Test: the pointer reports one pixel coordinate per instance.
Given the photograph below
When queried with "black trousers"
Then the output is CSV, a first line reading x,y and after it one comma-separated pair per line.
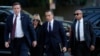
x,y
81,49
53,50
36,51
19,47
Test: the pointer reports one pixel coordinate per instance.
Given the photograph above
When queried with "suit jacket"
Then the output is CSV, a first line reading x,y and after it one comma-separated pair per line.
x,y
27,28
56,36
38,30
88,34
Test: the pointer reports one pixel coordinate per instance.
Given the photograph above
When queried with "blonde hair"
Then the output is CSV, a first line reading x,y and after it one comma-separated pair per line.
x,y
37,17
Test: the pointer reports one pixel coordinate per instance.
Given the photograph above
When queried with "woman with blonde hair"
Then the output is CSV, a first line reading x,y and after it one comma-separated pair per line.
x,y
36,18
38,50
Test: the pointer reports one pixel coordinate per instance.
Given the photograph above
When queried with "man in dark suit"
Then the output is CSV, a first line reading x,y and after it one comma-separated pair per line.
x,y
54,36
82,36
20,29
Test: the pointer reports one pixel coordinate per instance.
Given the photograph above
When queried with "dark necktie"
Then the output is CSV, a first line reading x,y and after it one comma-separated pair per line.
x,y
78,31
14,28
49,27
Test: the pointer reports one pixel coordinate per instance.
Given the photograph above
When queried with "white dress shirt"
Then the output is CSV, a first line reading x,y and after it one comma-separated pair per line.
x,y
18,32
51,22
81,28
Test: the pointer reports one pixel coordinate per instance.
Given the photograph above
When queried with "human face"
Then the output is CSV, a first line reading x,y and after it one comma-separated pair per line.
x,y
78,15
16,9
35,22
49,16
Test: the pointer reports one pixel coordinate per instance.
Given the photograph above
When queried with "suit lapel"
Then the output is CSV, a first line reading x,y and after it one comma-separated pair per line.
x,y
53,26
22,19
21,15
84,25
12,20
46,26
74,25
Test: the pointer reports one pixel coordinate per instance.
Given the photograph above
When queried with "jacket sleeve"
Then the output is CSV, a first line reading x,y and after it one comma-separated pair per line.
x,y
6,30
63,35
43,34
92,34
71,37
31,29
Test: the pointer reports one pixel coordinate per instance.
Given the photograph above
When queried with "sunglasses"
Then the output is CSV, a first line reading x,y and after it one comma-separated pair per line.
x,y
76,14
35,20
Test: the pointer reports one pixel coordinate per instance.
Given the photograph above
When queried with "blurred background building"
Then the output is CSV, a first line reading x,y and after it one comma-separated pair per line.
x,y
63,8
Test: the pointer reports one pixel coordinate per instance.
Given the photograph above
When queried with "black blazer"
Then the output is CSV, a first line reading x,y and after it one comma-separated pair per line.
x,y
27,28
56,36
38,30
88,34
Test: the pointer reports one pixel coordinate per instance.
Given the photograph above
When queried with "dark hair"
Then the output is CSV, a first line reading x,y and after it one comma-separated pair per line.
x,y
16,3
49,11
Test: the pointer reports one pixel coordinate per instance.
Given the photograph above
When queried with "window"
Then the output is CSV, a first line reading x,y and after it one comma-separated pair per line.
x,y
3,16
98,23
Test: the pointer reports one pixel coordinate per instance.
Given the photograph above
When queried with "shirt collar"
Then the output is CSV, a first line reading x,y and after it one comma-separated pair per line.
x,y
17,15
52,21
81,20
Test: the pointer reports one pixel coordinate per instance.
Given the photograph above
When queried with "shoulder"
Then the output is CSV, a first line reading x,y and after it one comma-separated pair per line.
x,y
44,23
87,21
39,27
10,17
74,21
57,22
26,17
23,14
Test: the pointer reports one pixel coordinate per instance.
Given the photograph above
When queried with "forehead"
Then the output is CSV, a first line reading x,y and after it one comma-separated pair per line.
x,y
36,16
16,6
78,11
48,12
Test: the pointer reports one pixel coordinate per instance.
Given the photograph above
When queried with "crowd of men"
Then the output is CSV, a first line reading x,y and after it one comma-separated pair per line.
x,y
50,37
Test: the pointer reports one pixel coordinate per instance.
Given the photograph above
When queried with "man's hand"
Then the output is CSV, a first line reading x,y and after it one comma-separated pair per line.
x,y
34,43
7,44
92,48
64,49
